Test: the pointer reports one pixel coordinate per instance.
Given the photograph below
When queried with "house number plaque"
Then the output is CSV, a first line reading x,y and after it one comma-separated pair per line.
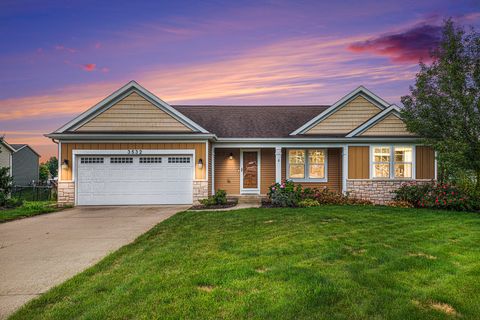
x,y
135,151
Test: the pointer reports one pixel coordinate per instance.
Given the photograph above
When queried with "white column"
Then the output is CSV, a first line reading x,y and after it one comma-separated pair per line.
x,y
213,171
344,168
278,164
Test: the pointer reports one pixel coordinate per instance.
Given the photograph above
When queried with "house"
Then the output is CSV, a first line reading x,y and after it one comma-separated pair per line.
x,y
25,165
134,148
6,152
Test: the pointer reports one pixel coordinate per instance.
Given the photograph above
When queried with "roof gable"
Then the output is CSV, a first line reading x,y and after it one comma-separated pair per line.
x,y
386,123
7,146
19,147
348,117
129,109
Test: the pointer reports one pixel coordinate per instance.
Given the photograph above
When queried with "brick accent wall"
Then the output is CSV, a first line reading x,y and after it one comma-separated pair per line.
x,y
66,193
200,190
377,191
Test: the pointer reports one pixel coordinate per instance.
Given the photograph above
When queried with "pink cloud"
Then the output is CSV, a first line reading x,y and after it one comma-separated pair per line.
x,y
98,45
105,69
406,46
89,67
63,48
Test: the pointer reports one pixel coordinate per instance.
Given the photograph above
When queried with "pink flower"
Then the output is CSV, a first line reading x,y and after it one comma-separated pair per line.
x,y
273,188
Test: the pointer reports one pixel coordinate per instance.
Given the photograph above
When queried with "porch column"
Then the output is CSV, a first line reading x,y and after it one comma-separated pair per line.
x,y
344,168
278,164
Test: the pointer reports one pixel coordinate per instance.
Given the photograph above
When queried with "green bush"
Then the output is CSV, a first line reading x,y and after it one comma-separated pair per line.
x,y
14,202
307,203
285,194
438,196
220,198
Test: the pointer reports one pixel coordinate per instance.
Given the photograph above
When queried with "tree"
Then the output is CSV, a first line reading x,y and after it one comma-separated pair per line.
x,y
52,165
43,173
443,106
6,181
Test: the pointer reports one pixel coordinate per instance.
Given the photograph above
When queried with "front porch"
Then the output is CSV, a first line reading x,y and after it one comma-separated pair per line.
x,y
251,171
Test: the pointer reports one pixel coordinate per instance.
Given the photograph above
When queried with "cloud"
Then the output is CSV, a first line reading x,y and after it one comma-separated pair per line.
x,y
105,69
59,47
89,67
408,46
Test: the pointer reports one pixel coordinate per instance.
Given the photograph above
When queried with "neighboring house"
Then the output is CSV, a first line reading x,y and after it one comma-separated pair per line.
x,y
133,148
25,165
6,152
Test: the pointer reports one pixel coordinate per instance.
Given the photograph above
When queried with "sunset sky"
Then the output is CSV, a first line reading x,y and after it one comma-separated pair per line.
x,y
59,58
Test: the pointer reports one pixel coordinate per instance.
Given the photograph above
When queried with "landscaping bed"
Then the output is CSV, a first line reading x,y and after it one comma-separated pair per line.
x,y
229,204
327,262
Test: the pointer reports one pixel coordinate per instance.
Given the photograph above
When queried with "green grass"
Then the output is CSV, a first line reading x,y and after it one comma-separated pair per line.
x,y
317,263
28,209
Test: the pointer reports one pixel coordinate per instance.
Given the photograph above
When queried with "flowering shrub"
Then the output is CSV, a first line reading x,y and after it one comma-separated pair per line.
x,y
285,194
437,196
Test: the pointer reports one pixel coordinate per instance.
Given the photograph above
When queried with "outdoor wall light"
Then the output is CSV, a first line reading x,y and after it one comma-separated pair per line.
x,y
230,156
65,164
200,163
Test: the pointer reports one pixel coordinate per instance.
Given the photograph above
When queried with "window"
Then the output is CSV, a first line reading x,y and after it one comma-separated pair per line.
x,y
381,162
150,160
178,159
91,160
392,162
308,164
121,160
403,162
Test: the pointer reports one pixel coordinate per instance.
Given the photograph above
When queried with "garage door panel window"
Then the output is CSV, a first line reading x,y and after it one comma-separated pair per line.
x,y
88,160
150,160
178,160
121,160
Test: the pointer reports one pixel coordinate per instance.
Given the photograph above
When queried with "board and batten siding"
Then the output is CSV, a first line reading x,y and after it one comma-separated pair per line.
x,y
347,118
227,171
358,162
135,114
67,152
425,162
334,171
389,126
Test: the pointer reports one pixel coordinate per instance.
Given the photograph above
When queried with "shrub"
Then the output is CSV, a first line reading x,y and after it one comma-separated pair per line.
x,y
13,202
307,203
285,194
437,196
220,198
325,196
400,204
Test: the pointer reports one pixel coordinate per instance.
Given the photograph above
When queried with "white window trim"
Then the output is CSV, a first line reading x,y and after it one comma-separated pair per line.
x,y
306,178
392,161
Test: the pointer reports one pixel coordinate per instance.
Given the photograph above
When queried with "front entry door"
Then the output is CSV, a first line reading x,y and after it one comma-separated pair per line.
x,y
249,172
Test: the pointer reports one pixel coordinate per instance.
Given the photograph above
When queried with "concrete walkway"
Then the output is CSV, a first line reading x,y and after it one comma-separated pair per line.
x,y
40,252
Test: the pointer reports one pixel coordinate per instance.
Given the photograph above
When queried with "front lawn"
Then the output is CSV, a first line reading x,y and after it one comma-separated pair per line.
x,y
27,209
318,263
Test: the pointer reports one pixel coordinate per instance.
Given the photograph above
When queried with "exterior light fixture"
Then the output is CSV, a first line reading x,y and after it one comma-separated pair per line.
x,y
200,163
230,156
65,164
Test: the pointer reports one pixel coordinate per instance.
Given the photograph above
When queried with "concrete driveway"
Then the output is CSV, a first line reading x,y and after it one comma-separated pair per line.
x,y
40,252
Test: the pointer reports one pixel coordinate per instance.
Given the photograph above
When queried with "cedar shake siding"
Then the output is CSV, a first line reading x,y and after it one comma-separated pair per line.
x,y
358,162
347,118
334,171
133,113
425,159
391,125
200,153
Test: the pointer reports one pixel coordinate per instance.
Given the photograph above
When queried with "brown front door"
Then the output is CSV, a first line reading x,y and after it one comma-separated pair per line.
x,y
250,170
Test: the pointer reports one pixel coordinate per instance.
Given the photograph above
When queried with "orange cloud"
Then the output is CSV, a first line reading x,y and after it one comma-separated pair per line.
x,y
89,67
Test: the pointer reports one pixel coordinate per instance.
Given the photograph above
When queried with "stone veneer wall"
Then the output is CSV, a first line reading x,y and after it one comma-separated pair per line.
x,y
66,193
377,191
200,190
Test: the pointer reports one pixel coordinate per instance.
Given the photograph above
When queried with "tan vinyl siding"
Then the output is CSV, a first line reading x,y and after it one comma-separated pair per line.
x,y
389,126
334,174
134,113
347,118
425,162
227,172
358,162
200,152
267,169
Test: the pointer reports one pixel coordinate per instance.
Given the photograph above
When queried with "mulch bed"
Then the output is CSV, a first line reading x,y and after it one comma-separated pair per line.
x,y
229,204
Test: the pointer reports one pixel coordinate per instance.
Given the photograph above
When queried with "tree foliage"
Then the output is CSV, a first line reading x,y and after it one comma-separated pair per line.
x,y
52,165
443,105
43,173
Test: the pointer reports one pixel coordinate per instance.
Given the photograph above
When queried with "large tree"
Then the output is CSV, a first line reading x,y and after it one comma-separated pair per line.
x,y
443,106
52,165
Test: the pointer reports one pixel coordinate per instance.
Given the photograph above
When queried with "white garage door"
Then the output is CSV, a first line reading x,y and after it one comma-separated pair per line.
x,y
130,180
